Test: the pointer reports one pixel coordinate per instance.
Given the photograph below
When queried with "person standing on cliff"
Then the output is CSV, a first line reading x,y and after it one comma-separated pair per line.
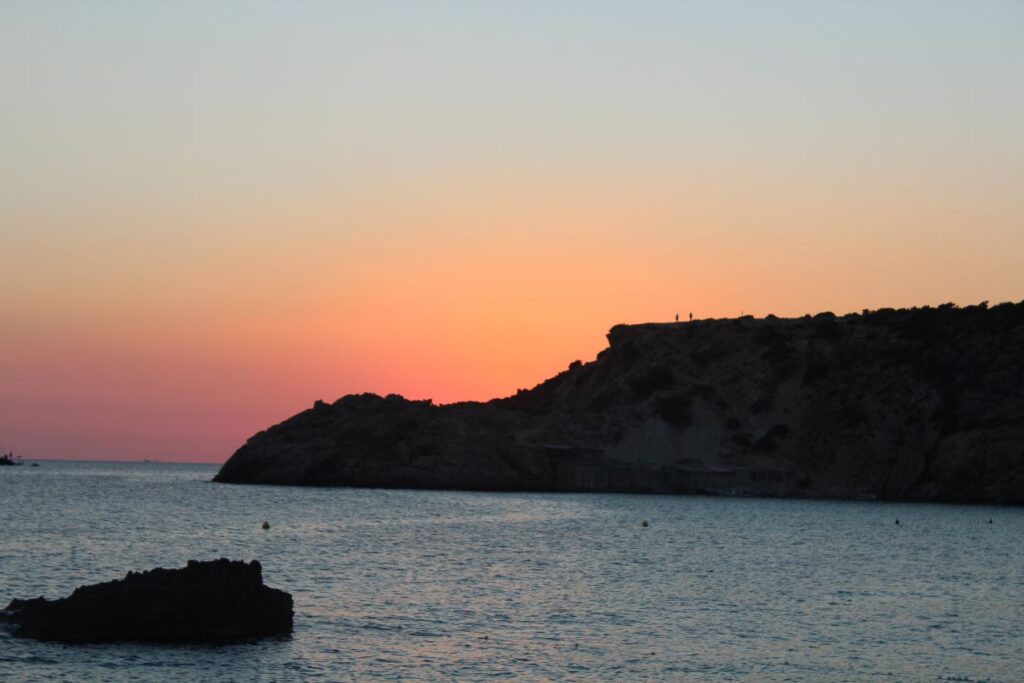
x,y
677,317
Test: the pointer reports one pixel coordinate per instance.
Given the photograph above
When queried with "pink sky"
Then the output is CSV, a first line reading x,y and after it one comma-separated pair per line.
x,y
201,235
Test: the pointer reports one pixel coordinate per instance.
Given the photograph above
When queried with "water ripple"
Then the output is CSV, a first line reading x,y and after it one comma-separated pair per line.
x,y
428,586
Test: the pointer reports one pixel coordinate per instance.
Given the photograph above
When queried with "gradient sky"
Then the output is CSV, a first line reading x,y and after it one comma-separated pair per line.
x,y
213,213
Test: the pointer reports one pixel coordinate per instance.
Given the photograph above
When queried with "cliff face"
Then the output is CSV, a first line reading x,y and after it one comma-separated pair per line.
x,y
918,404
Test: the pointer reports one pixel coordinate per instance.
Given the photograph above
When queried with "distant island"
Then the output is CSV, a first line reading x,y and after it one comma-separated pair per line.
x,y
921,404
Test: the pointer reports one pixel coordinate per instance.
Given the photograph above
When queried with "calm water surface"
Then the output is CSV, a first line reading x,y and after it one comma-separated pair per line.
x,y
435,586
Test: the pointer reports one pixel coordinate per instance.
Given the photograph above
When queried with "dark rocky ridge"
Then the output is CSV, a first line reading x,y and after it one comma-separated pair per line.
x,y
212,601
913,404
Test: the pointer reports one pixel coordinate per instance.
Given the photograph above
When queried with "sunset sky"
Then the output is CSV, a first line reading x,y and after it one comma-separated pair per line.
x,y
214,213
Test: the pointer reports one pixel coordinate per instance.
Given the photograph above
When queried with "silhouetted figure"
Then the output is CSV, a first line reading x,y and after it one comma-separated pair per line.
x,y
677,317
691,317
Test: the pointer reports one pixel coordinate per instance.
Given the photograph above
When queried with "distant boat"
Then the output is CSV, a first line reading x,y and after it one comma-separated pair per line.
x,y
9,459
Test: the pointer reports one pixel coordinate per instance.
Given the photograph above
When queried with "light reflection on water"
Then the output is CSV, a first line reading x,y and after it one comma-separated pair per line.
x,y
417,585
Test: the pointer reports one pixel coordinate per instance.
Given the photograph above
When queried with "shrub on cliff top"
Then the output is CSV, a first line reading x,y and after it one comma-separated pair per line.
x,y
827,328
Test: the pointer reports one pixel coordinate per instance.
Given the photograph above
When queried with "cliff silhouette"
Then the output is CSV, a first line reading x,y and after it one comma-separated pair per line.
x,y
910,404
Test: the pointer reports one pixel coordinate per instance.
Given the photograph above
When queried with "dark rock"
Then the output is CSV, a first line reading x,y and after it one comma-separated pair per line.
x,y
220,600
916,404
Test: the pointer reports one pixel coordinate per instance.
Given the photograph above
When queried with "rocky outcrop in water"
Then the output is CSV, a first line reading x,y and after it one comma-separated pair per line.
x,y
214,601
914,404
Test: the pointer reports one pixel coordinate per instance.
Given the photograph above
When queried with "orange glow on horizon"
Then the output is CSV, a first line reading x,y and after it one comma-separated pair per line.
x,y
490,292
456,202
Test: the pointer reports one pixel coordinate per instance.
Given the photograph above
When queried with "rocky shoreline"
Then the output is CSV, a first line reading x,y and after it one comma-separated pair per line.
x,y
215,601
921,404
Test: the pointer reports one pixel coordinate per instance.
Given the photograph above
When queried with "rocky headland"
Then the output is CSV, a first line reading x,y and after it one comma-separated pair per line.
x,y
214,601
912,404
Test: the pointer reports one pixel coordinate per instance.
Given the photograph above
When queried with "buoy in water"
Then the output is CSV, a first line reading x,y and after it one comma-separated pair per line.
x,y
266,524
645,523
897,522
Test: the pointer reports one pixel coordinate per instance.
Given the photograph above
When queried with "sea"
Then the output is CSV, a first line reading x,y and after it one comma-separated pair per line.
x,y
401,585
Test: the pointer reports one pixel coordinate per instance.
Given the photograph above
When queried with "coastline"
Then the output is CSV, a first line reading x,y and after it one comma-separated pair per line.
x,y
913,404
